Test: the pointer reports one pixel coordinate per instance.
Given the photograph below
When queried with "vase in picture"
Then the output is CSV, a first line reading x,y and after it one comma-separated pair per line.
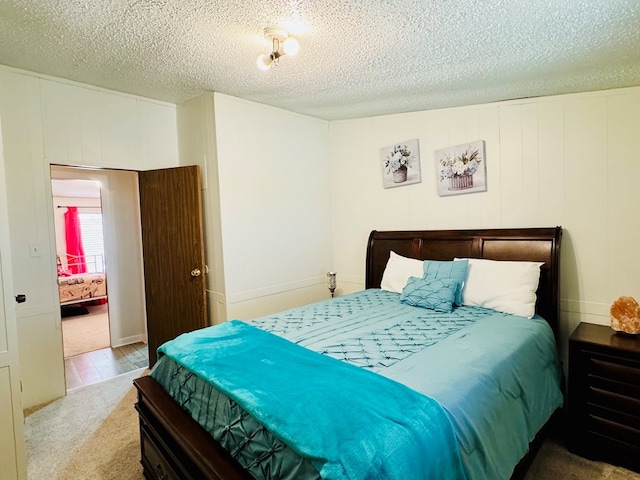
x,y
460,182
400,175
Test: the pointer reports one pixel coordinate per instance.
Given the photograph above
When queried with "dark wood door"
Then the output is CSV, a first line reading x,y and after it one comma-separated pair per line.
x,y
173,250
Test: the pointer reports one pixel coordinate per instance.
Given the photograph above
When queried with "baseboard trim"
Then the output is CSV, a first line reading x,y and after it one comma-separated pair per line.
x,y
121,342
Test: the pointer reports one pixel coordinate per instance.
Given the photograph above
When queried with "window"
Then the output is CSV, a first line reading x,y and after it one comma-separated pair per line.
x,y
92,239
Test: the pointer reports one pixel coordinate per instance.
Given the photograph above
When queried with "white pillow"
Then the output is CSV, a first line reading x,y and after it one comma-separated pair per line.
x,y
398,270
505,286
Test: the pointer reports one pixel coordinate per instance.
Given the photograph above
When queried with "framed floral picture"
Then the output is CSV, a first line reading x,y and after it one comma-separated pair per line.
x,y
461,169
401,164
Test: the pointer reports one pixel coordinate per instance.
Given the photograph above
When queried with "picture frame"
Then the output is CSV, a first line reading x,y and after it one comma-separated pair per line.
x,y
461,169
401,164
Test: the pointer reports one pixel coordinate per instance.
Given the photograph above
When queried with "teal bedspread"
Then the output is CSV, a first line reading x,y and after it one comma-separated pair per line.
x,y
497,375
349,422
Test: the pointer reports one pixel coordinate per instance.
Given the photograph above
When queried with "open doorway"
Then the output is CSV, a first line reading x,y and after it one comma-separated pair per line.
x,y
82,279
100,272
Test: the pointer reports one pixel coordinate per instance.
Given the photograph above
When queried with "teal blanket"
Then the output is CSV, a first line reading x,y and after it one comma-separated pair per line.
x,y
349,422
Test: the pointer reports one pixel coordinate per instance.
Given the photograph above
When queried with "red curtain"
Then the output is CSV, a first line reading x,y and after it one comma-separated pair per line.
x,y
75,249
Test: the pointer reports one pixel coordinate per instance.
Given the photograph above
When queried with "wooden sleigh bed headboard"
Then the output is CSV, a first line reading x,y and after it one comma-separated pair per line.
x,y
523,244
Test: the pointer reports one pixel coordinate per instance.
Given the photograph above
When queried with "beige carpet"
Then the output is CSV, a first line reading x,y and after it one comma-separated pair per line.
x,y
554,462
86,333
92,434
122,459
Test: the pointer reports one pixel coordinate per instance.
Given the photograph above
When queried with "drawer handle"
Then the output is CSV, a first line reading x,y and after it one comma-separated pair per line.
x,y
161,473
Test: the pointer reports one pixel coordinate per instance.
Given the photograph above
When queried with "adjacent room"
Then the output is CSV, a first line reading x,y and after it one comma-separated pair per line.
x,y
82,282
430,202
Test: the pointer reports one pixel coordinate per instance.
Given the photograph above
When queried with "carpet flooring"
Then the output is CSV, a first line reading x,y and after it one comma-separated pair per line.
x,y
554,462
86,333
92,434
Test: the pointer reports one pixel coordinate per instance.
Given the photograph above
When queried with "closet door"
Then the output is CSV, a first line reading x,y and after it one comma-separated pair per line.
x,y
12,447
12,454
173,252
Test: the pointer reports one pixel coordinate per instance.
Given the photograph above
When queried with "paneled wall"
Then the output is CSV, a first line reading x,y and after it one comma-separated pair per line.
x,y
197,146
275,206
49,121
568,160
98,128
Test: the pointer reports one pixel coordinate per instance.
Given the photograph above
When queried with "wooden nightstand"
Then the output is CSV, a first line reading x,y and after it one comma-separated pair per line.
x,y
604,395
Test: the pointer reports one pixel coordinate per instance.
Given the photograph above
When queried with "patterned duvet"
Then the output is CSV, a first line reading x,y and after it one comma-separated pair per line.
x,y
82,287
496,375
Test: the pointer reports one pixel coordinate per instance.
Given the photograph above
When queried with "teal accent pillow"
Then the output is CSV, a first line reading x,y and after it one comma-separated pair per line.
x,y
436,294
457,270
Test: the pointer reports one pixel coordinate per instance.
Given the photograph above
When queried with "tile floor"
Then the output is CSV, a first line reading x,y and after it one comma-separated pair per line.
x,y
93,367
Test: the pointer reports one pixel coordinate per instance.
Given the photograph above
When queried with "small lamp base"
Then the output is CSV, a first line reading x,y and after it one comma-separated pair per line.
x,y
331,282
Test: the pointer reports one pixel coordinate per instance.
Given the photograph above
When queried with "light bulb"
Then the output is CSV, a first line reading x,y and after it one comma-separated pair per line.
x,y
291,46
264,62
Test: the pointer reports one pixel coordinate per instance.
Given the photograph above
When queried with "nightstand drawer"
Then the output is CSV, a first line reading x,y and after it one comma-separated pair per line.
x,y
614,368
607,411
614,430
605,385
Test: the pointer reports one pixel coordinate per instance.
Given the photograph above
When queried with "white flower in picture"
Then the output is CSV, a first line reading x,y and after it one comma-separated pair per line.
x,y
461,169
401,164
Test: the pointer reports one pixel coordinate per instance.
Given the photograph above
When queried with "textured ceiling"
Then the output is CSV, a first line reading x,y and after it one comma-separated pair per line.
x,y
357,58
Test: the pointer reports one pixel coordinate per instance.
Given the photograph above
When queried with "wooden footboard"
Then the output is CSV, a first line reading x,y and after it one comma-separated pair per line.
x,y
173,445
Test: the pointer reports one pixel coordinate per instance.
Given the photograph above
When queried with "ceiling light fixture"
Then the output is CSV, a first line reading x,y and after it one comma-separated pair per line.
x,y
281,44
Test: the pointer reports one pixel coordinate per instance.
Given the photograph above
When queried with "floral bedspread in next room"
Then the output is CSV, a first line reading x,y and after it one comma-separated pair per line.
x,y
82,287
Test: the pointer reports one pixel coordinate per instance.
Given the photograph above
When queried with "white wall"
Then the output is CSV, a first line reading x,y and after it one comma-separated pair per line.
x,y
87,126
123,256
275,206
197,146
266,195
568,160
51,121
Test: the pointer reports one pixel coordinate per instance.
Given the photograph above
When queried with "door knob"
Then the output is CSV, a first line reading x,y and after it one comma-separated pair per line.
x,y
195,272
21,298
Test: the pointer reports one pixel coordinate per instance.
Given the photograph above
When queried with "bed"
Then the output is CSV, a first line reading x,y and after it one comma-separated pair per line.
x,y
174,445
82,287
74,288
